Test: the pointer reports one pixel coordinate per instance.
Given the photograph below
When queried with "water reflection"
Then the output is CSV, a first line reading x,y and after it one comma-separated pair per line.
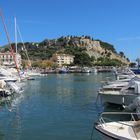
x,y
10,123
53,107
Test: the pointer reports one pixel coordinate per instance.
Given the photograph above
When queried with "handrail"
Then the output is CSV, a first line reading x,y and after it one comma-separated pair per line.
x,y
134,132
123,113
102,119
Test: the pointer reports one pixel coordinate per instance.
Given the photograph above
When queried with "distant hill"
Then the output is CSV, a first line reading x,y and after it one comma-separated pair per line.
x,y
70,45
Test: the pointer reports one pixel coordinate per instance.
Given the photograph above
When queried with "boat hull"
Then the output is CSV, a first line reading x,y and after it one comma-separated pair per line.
x,y
118,99
105,135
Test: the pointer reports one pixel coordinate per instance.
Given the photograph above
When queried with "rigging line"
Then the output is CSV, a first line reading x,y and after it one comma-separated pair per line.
x,y
9,42
23,45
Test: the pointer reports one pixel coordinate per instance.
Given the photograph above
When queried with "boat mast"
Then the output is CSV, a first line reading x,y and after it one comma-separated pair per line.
x,y
9,42
15,36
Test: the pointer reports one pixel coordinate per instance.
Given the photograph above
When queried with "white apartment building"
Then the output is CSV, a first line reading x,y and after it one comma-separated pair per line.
x,y
6,58
63,59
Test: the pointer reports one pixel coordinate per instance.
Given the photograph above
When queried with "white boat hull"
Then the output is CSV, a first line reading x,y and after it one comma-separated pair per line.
x,y
115,135
104,136
117,99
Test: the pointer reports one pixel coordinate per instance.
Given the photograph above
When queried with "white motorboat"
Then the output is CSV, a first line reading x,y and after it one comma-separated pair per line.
x,y
94,70
118,81
63,70
34,74
116,85
119,130
123,93
86,70
31,75
125,74
7,76
117,97
8,79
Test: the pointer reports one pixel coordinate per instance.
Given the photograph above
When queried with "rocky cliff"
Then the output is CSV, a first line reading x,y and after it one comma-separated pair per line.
x,y
46,48
94,48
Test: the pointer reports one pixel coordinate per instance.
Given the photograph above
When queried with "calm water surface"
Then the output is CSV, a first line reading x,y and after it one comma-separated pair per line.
x,y
55,107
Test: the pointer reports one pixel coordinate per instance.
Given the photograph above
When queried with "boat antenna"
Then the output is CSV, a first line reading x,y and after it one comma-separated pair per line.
x,y
9,42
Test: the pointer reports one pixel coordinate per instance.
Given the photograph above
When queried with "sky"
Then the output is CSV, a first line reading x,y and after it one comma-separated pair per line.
x,y
114,21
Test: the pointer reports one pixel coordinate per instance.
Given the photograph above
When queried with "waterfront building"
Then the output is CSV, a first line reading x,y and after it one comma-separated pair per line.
x,y
6,58
64,59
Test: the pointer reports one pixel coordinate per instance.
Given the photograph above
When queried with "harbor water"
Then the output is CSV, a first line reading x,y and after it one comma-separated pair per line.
x,y
54,107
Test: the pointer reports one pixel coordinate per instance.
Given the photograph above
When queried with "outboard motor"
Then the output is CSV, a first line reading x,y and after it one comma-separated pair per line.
x,y
134,105
14,87
137,87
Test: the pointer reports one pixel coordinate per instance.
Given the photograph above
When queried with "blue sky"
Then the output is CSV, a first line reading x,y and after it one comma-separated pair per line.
x,y
113,21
